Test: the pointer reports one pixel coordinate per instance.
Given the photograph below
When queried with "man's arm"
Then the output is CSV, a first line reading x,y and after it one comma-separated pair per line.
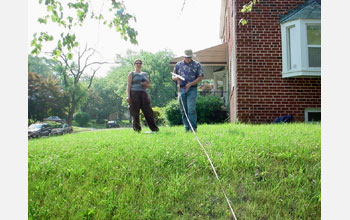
x,y
175,78
197,80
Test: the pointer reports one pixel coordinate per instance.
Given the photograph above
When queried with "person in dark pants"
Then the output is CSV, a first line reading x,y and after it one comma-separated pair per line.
x,y
138,99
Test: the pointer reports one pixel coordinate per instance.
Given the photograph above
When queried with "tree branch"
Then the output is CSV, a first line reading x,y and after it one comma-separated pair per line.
x,y
64,58
93,75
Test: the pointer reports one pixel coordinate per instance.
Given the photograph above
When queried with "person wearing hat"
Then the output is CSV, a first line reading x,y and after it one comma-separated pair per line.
x,y
192,71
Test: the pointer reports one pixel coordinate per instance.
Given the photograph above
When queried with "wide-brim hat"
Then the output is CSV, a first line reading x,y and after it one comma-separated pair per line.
x,y
189,54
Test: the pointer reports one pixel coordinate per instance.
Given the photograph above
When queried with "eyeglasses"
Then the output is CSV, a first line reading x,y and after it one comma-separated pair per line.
x,y
138,63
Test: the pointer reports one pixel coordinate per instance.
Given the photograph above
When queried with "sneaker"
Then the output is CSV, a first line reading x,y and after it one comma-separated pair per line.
x,y
150,132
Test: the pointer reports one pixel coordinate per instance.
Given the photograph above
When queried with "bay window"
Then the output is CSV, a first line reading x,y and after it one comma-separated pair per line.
x,y
301,48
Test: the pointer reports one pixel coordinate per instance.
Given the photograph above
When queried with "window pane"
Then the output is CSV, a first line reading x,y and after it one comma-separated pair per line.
x,y
314,57
292,44
314,34
314,116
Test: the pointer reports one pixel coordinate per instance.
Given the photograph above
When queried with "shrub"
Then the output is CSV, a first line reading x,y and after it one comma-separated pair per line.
x,y
30,121
100,121
172,113
210,110
82,118
159,116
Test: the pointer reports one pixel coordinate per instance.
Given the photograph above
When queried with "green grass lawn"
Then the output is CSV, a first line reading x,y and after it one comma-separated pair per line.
x,y
268,172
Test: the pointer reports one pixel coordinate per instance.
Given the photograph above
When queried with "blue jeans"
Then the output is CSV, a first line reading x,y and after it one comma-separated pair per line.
x,y
189,100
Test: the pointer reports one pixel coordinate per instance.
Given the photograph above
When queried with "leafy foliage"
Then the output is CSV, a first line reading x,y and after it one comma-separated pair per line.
x,y
210,109
82,118
173,114
103,100
45,97
158,114
74,64
247,8
42,66
70,14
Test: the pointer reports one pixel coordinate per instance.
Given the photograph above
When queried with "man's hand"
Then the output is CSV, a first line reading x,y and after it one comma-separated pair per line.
x,y
188,86
176,76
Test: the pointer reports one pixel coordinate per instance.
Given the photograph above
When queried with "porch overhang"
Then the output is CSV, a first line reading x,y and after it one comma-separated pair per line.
x,y
212,56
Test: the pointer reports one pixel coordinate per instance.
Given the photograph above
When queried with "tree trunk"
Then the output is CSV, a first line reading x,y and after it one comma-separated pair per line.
x,y
71,113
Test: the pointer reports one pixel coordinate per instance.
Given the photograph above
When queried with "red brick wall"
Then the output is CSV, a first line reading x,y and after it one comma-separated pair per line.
x,y
261,93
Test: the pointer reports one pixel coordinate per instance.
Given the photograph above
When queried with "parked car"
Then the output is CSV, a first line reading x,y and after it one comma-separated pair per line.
x,y
60,128
112,124
67,128
39,130
55,118
57,131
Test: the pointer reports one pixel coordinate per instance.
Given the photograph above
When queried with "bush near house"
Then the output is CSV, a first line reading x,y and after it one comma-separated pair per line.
x,y
172,113
210,110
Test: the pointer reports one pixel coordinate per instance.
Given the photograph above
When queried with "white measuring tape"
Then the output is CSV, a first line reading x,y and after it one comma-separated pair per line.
x,y
211,163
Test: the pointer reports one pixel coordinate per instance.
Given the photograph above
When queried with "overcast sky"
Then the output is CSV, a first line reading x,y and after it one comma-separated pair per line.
x,y
160,24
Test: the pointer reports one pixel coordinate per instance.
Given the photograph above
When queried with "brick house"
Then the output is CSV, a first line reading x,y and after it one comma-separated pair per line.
x,y
273,62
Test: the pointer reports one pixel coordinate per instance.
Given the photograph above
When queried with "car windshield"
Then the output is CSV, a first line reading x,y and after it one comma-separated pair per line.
x,y
33,126
54,117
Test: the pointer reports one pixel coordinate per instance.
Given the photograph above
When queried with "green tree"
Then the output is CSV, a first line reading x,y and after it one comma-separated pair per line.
x,y
75,62
82,118
77,76
103,100
40,66
45,97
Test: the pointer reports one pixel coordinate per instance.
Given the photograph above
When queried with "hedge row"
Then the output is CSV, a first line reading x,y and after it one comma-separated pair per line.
x,y
210,110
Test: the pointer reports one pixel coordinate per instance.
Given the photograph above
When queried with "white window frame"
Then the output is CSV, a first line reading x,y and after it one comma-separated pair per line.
x,y
299,52
233,68
310,45
308,110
